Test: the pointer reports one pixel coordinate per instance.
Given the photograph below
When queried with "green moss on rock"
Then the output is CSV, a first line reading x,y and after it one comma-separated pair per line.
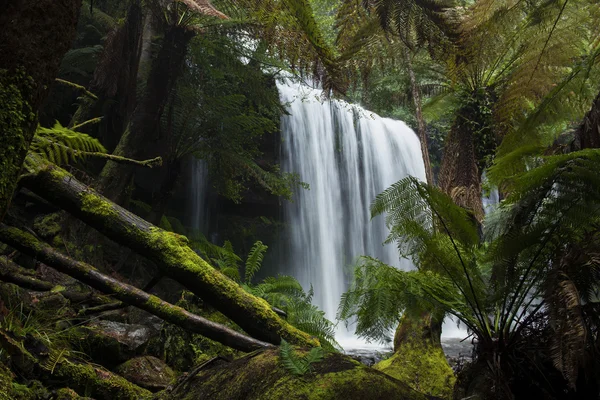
x,y
98,382
148,372
10,389
68,394
262,376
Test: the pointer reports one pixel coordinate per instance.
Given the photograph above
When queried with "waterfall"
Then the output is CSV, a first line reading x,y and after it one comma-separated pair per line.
x,y
198,194
347,155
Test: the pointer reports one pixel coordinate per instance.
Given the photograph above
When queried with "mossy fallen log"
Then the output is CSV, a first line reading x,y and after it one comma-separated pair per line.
x,y
262,376
87,274
168,250
10,272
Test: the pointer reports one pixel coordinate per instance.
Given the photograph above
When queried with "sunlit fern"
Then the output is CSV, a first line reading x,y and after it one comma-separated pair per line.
x,y
61,145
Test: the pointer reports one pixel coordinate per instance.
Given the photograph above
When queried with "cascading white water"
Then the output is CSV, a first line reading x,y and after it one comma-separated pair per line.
x,y
347,155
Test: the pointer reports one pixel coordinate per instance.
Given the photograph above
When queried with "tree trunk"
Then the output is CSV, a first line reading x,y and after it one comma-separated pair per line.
x,y
421,128
34,36
115,78
169,251
147,115
587,135
162,197
87,274
459,176
15,274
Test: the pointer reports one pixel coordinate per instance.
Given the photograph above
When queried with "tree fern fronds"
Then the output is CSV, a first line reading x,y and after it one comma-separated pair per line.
x,y
411,204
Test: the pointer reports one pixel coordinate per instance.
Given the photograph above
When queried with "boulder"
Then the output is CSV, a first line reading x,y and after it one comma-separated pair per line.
x,y
110,343
148,372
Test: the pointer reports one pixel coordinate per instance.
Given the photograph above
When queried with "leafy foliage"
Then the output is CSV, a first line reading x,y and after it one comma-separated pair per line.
x,y
62,145
296,364
499,287
283,292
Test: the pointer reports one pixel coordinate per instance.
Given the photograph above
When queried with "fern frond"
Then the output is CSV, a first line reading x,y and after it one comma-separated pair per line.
x,y
62,145
254,260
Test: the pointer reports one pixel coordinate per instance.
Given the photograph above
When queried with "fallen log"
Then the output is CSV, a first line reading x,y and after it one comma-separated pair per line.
x,y
168,250
87,274
10,272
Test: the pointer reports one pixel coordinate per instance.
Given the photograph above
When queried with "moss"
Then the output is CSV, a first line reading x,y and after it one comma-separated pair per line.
x,y
17,123
97,382
419,359
47,226
182,349
261,376
10,389
92,203
172,249
148,372
67,394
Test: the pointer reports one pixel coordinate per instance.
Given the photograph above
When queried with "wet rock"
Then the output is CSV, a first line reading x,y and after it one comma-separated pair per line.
x,y
148,372
111,343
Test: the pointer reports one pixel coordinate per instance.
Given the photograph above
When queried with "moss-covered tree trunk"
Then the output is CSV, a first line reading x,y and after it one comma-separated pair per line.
x,y
146,118
169,251
34,36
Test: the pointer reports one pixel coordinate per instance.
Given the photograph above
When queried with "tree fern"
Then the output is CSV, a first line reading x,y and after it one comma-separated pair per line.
x,y
499,288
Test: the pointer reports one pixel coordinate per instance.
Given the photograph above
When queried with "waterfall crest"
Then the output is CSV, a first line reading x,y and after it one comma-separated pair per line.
x,y
347,155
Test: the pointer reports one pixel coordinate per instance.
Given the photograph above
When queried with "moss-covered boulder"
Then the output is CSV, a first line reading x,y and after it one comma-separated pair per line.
x,y
10,389
148,372
263,376
68,394
419,359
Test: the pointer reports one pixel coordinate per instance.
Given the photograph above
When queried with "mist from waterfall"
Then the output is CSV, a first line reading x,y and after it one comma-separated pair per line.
x,y
347,155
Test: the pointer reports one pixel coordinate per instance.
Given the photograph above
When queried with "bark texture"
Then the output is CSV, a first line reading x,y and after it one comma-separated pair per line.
x,y
587,135
34,36
459,176
169,251
145,120
115,78
87,274
421,128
